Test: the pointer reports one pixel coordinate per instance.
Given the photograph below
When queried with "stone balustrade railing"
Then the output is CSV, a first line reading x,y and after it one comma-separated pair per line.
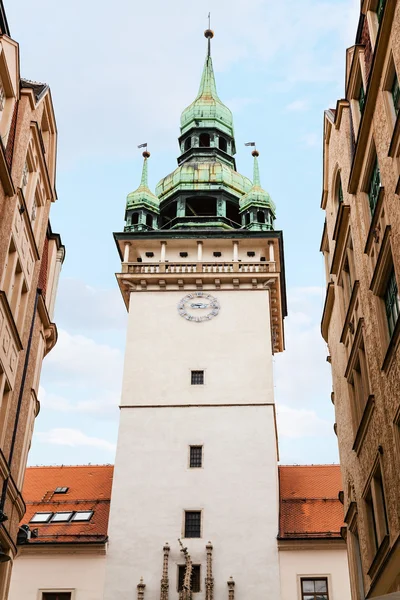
x,y
141,268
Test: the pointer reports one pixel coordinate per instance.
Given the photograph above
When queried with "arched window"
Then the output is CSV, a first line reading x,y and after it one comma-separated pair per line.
x,y
135,218
247,219
149,221
222,143
261,216
204,140
188,143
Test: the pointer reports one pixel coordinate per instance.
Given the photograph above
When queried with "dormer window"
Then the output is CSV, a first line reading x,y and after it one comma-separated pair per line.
x,y
204,140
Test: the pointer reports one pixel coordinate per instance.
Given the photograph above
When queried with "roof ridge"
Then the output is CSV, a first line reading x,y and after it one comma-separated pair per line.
x,y
67,466
312,465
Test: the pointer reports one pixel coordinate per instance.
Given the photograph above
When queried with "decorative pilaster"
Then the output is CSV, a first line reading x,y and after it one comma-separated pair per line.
x,y
186,593
164,579
140,589
209,576
231,589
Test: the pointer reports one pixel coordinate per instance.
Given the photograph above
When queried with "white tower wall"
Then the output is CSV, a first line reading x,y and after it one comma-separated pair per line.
x,y
232,415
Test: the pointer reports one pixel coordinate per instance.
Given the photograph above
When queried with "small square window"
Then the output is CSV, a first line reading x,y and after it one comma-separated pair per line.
x,y
82,515
197,378
192,523
61,517
196,457
61,490
195,578
41,517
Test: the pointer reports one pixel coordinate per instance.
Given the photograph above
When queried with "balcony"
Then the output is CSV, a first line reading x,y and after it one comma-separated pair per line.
x,y
141,268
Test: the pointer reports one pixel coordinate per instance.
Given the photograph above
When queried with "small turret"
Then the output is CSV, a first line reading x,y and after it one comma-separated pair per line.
x,y
256,207
142,206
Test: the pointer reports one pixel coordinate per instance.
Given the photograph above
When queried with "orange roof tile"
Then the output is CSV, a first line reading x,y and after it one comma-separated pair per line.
x,y
89,488
309,504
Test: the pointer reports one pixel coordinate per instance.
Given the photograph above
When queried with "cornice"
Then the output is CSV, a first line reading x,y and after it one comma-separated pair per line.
x,y
311,544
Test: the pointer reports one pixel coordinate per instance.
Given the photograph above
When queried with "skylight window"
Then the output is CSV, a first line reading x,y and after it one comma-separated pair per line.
x,y
61,490
41,517
61,517
82,515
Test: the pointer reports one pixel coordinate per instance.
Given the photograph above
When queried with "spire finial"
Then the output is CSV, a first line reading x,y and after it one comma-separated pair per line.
x,y
209,34
146,156
256,172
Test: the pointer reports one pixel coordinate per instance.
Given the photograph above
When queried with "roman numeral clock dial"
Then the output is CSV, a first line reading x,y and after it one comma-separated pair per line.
x,y
198,307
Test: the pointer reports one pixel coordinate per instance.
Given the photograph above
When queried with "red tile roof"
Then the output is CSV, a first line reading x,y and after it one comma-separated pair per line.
x,y
309,505
89,488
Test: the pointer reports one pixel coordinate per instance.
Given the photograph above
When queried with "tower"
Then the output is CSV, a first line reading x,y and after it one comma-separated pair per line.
x,y
197,446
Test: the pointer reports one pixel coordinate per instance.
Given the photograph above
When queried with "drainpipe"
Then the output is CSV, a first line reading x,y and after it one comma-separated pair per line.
x,y
3,516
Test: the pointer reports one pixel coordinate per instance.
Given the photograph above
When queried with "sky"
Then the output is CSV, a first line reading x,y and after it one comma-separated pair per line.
x,y
120,74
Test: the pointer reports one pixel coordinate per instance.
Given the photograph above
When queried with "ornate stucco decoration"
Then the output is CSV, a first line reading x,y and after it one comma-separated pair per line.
x,y
186,592
209,576
164,579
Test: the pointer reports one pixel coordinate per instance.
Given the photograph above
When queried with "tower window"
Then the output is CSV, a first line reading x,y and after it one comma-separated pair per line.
x,y
197,378
247,219
195,577
192,523
204,140
222,143
261,216
135,218
149,221
188,143
196,457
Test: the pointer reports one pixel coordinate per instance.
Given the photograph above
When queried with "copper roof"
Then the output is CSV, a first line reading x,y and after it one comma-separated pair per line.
x,y
309,504
89,489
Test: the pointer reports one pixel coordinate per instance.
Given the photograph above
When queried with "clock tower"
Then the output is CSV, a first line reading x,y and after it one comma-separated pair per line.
x,y
194,510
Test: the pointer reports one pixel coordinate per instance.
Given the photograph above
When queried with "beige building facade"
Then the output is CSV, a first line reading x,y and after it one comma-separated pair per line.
x,y
31,256
360,322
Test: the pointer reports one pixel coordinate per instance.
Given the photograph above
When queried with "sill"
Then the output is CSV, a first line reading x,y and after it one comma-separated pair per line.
x,y
350,310
364,424
374,220
380,556
390,352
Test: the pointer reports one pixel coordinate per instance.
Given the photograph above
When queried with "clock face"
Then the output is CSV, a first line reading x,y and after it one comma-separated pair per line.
x,y
198,307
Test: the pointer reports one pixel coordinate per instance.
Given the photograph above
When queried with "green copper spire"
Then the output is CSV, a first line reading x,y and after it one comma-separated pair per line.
x,y
257,197
143,196
207,110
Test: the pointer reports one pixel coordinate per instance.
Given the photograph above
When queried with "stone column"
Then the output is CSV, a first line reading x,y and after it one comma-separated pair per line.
x,y
126,251
199,251
235,251
163,251
271,252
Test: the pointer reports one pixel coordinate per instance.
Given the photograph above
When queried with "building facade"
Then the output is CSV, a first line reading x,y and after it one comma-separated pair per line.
x,y
30,261
360,243
68,511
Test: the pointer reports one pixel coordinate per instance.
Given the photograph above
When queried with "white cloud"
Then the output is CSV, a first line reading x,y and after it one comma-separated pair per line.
x,y
297,106
311,140
73,438
301,423
104,405
77,359
81,306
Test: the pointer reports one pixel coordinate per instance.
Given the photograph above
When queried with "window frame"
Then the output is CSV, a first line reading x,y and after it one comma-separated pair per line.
x,y
78,512
31,520
313,577
375,509
195,373
178,577
192,510
193,446
42,591
67,512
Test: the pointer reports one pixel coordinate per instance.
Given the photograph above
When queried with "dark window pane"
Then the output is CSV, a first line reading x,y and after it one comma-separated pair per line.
x,y
392,302
196,455
374,187
192,524
197,377
56,596
195,578
379,10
